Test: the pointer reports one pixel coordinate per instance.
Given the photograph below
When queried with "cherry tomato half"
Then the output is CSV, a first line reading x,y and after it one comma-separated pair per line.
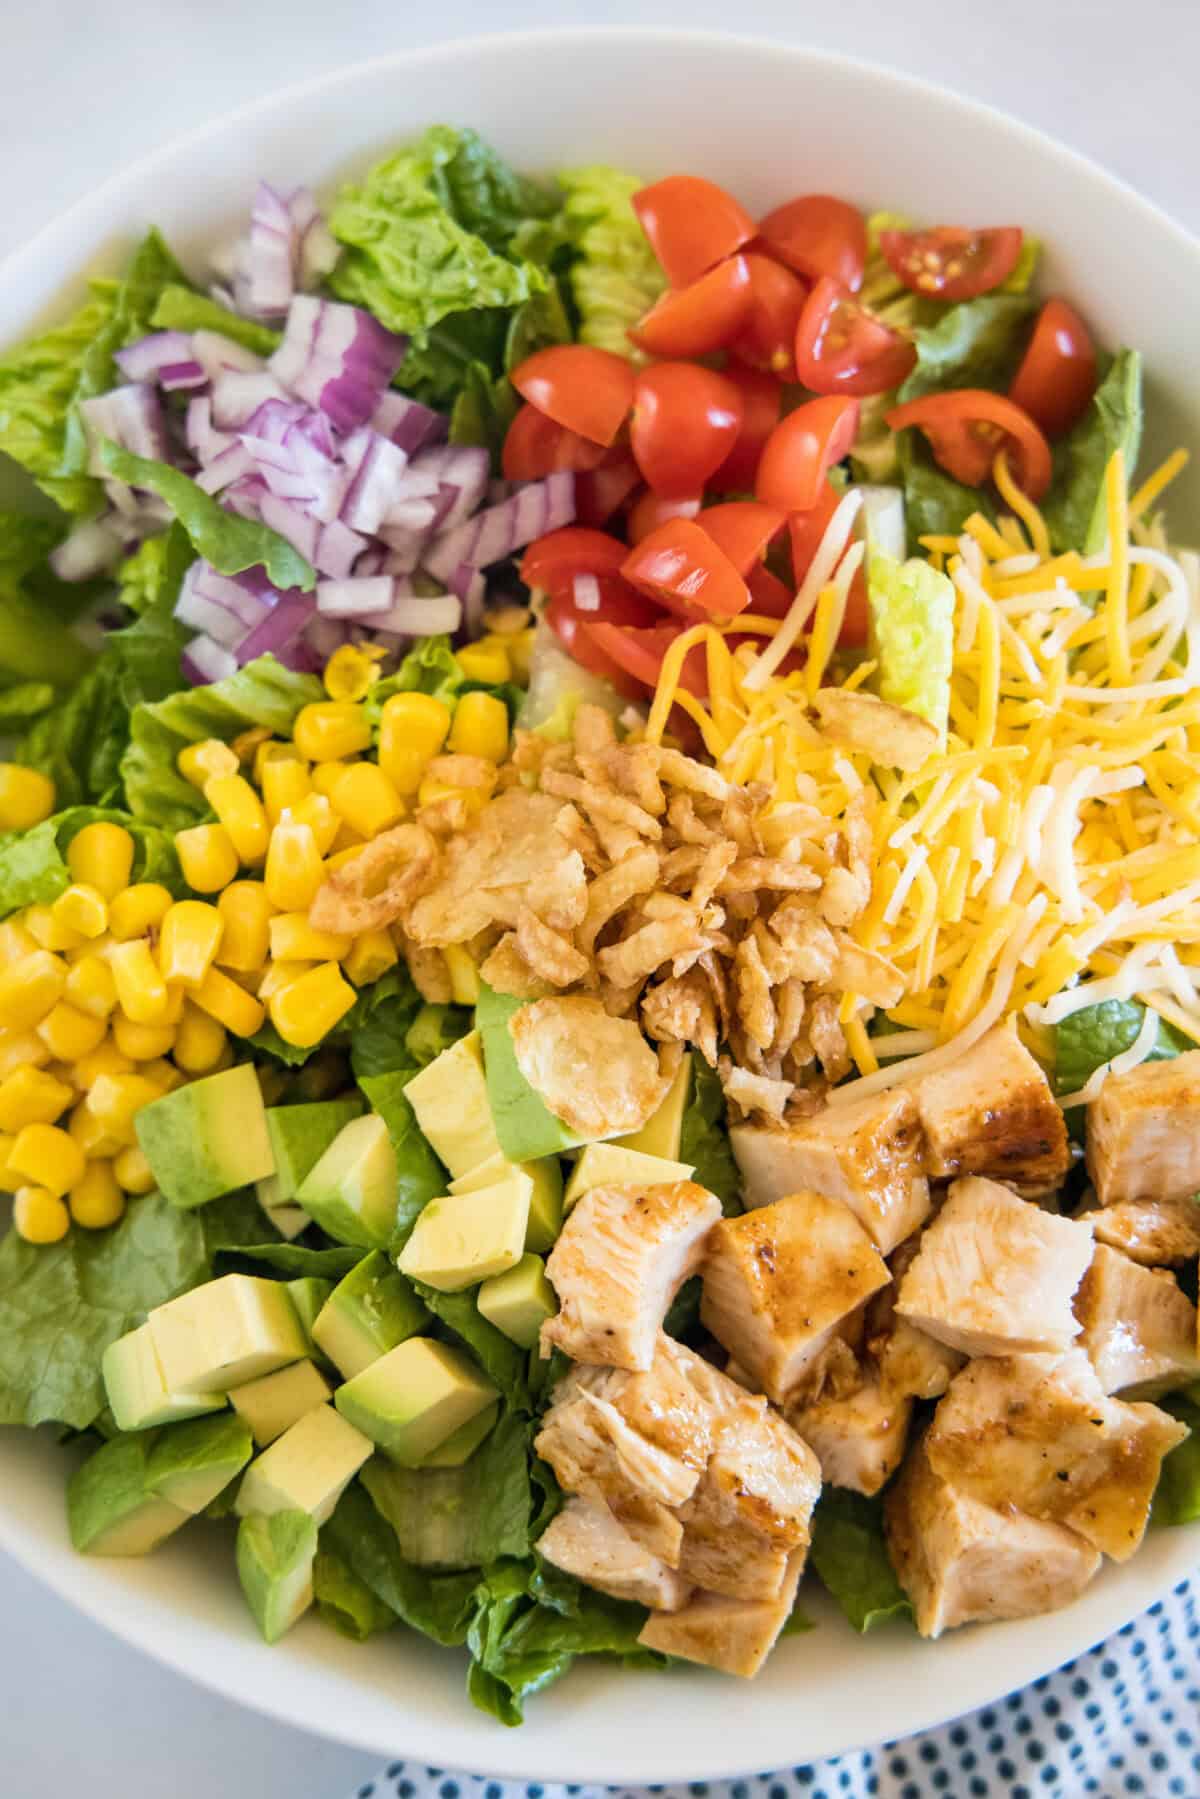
x,y
819,235
683,569
762,401
691,224
802,449
842,348
601,491
768,594
649,511
950,262
685,422
966,428
572,625
743,529
639,652
691,321
1057,376
807,528
536,446
767,339
552,562
586,390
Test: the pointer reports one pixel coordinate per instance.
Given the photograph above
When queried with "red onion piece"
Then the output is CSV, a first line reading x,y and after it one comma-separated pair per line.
x,y
419,615
87,550
237,394
214,353
358,596
537,507
337,549
338,358
270,255
131,416
461,468
205,660
407,422
146,359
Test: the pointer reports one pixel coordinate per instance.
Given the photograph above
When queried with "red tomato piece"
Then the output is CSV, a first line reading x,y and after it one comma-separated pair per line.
x,y
950,262
806,529
536,446
691,321
819,235
639,653
967,427
767,340
602,491
743,529
802,449
1057,376
648,512
685,422
584,389
681,567
762,402
572,624
553,561
768,594
842,348
691,224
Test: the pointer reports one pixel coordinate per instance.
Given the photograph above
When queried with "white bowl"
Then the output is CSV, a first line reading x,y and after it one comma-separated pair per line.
x,y
768,121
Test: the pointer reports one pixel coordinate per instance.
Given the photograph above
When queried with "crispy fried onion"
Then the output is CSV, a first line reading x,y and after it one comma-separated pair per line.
x,y
596,1073
376,885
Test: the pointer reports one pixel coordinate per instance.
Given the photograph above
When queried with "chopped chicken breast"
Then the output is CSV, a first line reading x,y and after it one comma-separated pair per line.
x,y
867,1154
1143,1132
858,1438
1150,1231
780,1280
911,1363
963,1562
593,1450
992,1112
734,1635
995,1274
1137,1326
623,1254
1040,1434
587,1541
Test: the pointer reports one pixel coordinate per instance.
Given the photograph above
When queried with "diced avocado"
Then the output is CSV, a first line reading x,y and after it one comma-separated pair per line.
x,y
309,1294
413,1398
300,1135
352,1192
275,1558
307,1469
371,1310
662,1133
433,1511
282,1215
525,1126
273,1404
191,1463
606,1165
468,1237
519,1302
450,1100
110,1511
137,1391
223,1333
460,1447
545,1202
207,1137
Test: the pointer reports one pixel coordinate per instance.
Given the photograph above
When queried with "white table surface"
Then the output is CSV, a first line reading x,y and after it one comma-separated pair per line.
x,y
85,88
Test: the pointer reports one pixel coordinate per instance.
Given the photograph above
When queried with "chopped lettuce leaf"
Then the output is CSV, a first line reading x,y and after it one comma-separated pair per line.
x,y
429,667
1177,1498
421,1176
558,686
1074,508
704,1140
1021,279
35,643
293,1260
463,1517
616,277
434,1029
179,309
849,1555
33,869
438,1605
912,635
22,703
345,1601
37,382
484,408
1087,1039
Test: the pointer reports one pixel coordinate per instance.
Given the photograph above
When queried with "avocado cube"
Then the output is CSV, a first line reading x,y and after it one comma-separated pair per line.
x,y
519,1302
662,1133
136,1388
460,1447
282,1215
607,1165
109,1509
273,1404
413,1398
371,1310
309,1294
467,1237
307,1469
191,1463
352,1191
300,1135
450,1101
545,1202
223,1333
207,1137
275,1556
525,1126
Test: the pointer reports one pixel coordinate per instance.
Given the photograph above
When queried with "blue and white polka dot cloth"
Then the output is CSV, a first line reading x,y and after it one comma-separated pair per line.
x,y
1123,1719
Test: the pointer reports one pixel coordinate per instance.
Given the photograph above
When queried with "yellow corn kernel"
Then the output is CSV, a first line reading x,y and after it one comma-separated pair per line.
x,y
329,730
365,799
47,1156
272,1084
141,990
6,1185
273,749
334,862
432,791
15,941
202,762
114,1101
101,856
229,1004
245,917
293,939
139,910
323,1075
307,1009
50,932
26,797
82,909
247,744
107,1058
280,975
95,946
31,1096
64,1073
294,870
28,990
285,783
189,940
96,1200
40,1217
19,1048
320,817
413,728
520,653
326,775
164,1074
347,839
371,955
480,727
134,1174
69,1033
240,810
352,671
207,857
142,1042
198,1041
90,986
464,976
485,661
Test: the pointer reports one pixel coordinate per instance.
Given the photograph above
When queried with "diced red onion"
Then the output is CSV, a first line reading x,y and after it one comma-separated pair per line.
x,y
302,531
215,353
223,605
378,481
500,490
419,615
536,508
275,418
146,359
270,255
177,376
229,466
246,496
585,591
237,394
202,440
132,416
337,550
279,628
204,660
317,248
403,551
371,561
338,358
325,635
407,422
356,597
463,468
87,550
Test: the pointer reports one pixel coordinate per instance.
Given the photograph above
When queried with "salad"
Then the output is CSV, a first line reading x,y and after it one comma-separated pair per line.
x,y
600,885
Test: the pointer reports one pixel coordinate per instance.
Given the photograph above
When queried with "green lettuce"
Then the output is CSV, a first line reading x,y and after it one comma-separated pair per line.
x,y
345,1601
1087,1039
429,667
293,1260
498,1356
615,277
849,1555
912,635
1074,508
179,309
1177,1498
35,645
434,1029
421,1176
33,868
21,704
441,1606
484,1507
704,1139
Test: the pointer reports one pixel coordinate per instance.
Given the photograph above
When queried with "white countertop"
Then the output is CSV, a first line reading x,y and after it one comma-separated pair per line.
x,y
86,89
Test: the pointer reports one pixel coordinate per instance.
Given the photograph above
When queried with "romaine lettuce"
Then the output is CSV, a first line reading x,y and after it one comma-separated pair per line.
x,y
704,1140
35,643
345,1601
1177,1498
33,869
616,277
179,309
1074,508
849,1556
1087,1039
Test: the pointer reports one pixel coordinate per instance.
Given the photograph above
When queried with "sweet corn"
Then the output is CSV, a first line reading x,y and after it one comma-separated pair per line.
x,y
294,869
202,762
101,856
365,799
189,940
164,1074
46,1155
69,1033
95,946
293,939
64,1073
90,986
486,660
480,727
247,744
31,1096
341,857
352,671
240,810
207,857
229,1004
272,1084
464,976
284,784
18,1048
108,1058
28,989
308,1008
326,775
347,839
431,791
520,653
113,1102
139,910
83,909
40,1217
141,990
274,749
371,954
329,730
413,728
142,1042
320,817
15,941
96,1200
133,1172
7,1185
26,797
198,1041
245,917
280,975
50,932
323,1075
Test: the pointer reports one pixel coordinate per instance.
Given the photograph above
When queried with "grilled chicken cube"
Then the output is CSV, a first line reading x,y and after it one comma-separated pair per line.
x,y
1039,1433
593,1450
753,1505
1143,1132
1154,1232
1137,1326
859,1437
995,1275
963,1562
587,1541
734,1635
780,1280
867,1154
911,1363
622,1256
991,1112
